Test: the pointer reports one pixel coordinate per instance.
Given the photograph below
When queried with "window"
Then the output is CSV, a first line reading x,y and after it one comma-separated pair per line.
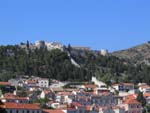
x,y
10,111
28,111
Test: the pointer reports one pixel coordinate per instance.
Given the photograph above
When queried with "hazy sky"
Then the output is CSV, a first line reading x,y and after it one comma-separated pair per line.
x,y
108,24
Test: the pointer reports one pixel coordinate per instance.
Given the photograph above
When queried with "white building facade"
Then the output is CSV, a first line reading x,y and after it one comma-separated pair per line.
x,y
44,83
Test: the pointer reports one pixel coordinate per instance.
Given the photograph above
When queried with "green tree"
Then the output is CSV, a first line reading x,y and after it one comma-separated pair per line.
x,y
27,44
22,93
141,99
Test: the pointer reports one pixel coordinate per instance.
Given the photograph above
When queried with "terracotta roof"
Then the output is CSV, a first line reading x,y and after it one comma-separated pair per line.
x,y
133,96
118,107
83,97
57,89
144,87
64,93
88,108
15,98
115,84
20,106
105,93
31,82
90,86
129,84
123,84
146,95
131,101
9,95
52,111
47,91
4,83
76,104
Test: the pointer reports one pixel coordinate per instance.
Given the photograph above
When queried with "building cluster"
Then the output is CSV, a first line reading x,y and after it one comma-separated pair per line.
x,y
49,45
29,82
81,48
104,52
55,45
90,97
43,44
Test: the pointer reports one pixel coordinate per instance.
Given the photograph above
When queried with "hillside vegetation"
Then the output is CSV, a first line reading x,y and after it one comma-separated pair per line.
x,y
56,64
137,54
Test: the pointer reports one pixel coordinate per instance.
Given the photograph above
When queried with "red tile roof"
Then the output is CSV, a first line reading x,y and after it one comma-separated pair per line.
x,y
75,104
4,83
13,97
20,106
146,94
144,87
88,108
64,93
90,86
31,82
52,111
124,84
128,83
9,95
132,96
131,101
118,107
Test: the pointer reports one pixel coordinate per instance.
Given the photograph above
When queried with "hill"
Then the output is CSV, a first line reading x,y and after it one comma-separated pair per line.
x,y
70,64
137,54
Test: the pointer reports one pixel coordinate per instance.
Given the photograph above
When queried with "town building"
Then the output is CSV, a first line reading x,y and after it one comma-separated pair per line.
x,y
82,48
104,52
97,82
40,44
53,45
10,97
107,99
21,108
132,106
43,82
123,87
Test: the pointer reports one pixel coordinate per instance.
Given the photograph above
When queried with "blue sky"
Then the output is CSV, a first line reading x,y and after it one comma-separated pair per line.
x,y
108,24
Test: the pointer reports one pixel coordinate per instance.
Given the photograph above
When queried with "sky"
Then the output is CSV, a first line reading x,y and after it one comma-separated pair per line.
x,y
99,24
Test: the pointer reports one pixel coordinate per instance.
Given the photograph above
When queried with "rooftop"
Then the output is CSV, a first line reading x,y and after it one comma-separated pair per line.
x,y
9,105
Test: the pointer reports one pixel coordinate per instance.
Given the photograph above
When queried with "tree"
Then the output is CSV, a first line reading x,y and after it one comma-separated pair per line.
x,y
69,47
27,44
42,102
22,93
141,99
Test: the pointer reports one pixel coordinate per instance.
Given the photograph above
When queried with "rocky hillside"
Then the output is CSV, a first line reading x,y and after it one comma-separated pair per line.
x,y
137,54
75,65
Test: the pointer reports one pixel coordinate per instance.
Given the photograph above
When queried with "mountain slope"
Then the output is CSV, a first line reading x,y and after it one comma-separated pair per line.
x,y
75,65
137,54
